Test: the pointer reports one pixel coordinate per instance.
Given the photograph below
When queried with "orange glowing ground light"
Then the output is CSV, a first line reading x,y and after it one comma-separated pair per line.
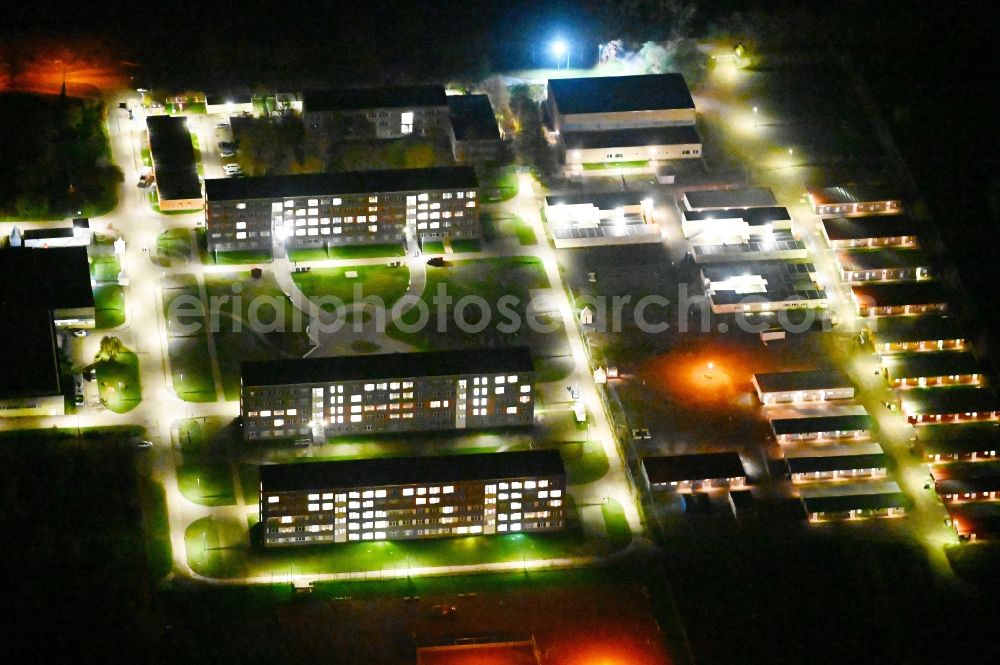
x,y
709,375
478,655
87,70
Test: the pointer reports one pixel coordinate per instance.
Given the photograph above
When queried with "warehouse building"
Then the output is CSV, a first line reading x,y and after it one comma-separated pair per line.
x,y
587,219
630,145
890,264
743,223
917,333
822,424
604,103
174,169
410,498
834,462
935,368
762,286
320,398
900,299
870,232
727,199
803,386
475,135
341,209
961,483
854,200
969,443
685,473
960,404
852,501
378,113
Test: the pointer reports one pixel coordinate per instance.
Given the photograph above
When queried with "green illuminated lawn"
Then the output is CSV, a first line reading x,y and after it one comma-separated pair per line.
x,y
104,267
499,226
585,462
366,251
499,184
617,524
597,166
204,474
118,382
387,283
466,246
109,305
433,247
207,484
175,244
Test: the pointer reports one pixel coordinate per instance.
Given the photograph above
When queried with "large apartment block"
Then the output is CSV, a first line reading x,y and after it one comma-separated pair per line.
x,y
378,113
345,395
407,498
337,209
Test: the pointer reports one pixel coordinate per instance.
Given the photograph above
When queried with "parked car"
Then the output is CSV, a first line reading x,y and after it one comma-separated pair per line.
x,y
232,169
79,333
144,444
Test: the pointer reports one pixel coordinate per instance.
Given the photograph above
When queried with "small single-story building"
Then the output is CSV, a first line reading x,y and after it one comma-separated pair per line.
x,y
959,404
639,144
969,443
741,222
803,386
890,264
742,503
849,501
175,172
723,199
475,134
870,232
916,333
583,219
933,368
762,286
962,482
778,246
228,104
845,423
833,462
854,200
900,299
975,520
691,472
77,235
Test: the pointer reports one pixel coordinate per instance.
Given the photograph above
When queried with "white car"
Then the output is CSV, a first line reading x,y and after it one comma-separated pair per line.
x,y
232,169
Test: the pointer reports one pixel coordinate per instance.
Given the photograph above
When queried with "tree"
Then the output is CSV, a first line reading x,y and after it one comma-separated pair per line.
x,y
110,348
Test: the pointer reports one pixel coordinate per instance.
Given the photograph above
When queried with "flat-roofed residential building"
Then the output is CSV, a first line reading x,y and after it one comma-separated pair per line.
x,y
762,286
870,232
900,299
341,209
935,368
475,133
834,462
961,482
396,392
410,498
641,144
850,501
968,443
174,169
584,219
854,200
890,264
917,333
821,424
378,113
722,199
959,404
619,102
691,472
818,385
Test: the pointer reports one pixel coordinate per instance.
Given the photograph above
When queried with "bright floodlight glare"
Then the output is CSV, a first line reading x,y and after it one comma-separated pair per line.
x,y
559,48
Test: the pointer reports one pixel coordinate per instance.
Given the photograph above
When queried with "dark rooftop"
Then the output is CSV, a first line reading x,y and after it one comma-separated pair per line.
x,y
345,182
810,425
703,466
874,226
472,118
843,503
753,197
982,519
642,136
618,94
752,216
965,439
948,401
48,279
851,194
405,470
827,463
215,100
930,364
602,200
916,329
387,366
886,258
41,234
818,379
902,293
173,158
32,370
358,99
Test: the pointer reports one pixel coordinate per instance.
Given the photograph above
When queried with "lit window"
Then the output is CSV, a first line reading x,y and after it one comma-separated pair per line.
x,y
313,497
273,499
313,506
406,122
448,489
328,506
529,484
336,201
516,485
511,410
408,491
543,483
286,519
421,500
556,492
421,490
512,379
379,494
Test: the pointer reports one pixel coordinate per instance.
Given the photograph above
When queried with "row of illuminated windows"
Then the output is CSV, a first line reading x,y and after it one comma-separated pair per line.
x,y
485,380
424,216
517,484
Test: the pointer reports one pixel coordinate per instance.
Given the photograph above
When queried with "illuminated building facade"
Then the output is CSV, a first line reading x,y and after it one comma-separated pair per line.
x,y
337,209
408,498
378,113
346,395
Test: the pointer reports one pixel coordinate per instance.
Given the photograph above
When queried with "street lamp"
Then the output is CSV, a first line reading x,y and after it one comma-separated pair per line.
x,y
559,49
